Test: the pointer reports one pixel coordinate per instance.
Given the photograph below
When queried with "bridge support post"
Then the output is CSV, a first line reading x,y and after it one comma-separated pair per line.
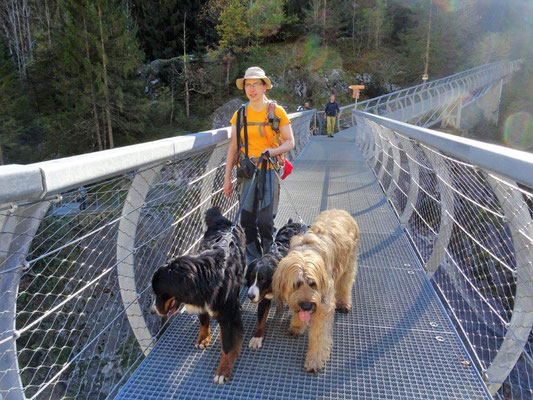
x,y
414,183
127,232
453,116
392,141
521,226
443,177
17,230
485,108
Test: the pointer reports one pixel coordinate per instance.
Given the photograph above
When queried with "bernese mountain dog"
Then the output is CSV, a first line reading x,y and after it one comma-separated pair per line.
x,y
208,284
259,277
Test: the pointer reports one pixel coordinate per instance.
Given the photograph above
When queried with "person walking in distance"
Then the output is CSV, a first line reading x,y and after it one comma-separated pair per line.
x,y
330,114
260,130
305,107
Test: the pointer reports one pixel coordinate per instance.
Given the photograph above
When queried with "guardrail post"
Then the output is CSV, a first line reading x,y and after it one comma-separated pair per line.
x,y
395,173
17,230
127,232
443,176
518,330
412,195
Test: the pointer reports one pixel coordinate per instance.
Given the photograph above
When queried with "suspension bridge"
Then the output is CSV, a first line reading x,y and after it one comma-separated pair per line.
x,y
443,300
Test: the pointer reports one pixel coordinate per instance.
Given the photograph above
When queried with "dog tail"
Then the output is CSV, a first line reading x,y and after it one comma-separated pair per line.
x,y
213,217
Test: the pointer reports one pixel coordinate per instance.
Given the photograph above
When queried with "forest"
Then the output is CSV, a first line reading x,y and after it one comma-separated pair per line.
x,y
78,76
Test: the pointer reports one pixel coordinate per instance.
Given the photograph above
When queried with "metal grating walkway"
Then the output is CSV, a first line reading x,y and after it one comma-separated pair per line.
x,y
397,343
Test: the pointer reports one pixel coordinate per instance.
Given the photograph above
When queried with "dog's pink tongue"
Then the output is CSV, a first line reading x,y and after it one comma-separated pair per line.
x,y
304,316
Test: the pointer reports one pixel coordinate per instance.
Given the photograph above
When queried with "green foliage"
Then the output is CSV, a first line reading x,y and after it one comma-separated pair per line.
x,y
96,56
265,17
62,107
233,28
324,18
16,133
160,27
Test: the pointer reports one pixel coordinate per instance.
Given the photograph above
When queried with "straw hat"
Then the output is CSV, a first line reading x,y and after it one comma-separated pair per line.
x,y
254,73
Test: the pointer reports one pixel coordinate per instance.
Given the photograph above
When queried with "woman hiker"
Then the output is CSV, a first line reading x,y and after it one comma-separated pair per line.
x,y
264,127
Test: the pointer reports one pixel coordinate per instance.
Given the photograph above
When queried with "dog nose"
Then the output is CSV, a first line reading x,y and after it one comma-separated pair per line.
x,y
306,306
251,296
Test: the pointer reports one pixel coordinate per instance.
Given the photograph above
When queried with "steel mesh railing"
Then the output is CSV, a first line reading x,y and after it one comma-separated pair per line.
x,y
468,210
75,268
432,102
77,255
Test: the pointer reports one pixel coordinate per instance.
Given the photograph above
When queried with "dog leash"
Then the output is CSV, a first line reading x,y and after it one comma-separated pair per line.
x,y
286,189
239,210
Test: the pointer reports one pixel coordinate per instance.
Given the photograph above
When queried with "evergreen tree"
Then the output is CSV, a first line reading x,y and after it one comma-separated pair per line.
x,y
160,27
265,17
96,59
14,113
234,32
325,18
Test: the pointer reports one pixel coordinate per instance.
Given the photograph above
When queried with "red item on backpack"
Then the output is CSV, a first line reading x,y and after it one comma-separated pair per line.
x,y
287,169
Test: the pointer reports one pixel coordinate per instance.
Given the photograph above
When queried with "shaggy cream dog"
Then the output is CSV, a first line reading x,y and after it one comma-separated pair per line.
x,y
316,277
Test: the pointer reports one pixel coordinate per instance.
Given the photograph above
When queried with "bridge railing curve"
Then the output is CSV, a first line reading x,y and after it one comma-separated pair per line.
x,y
467,207
80,238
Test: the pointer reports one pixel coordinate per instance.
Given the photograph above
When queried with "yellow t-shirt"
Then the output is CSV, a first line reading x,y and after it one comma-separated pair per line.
x,y
260,137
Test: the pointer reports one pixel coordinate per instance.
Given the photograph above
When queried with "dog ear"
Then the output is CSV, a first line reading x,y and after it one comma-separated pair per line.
x,y
296,241
279,282
250,268
289,221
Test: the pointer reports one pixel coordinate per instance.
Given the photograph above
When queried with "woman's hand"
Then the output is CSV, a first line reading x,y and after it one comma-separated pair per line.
x,y
228,187
271,152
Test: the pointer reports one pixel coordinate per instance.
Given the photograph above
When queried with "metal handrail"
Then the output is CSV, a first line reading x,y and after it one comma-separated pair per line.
x,y
453,191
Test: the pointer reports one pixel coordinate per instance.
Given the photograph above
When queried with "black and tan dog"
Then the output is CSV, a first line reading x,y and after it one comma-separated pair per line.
x,y
208,284
316,277
259,277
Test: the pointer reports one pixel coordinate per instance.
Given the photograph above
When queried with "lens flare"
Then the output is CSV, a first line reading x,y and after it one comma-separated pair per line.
x,y
446,5
518,131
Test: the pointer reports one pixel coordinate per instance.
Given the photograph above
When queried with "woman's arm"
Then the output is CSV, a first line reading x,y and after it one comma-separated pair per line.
x,y
287,139
231,160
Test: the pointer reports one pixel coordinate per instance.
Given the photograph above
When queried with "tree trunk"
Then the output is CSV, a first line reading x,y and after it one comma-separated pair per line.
x,y
228,61
93,90
171,101
47,14
1,156
27,12
16,25
354,7
104,137
106,85
185,71
360,42
324,22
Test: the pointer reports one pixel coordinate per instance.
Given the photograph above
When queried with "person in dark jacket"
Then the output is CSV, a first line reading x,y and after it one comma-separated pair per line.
x,y
330,113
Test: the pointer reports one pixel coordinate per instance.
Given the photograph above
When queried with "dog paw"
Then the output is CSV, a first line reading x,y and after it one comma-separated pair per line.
x,y
343,308
220,379
314,366
202,345
295,331
255,343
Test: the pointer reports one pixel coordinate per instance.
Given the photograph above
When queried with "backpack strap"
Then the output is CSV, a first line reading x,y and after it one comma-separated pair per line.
x,y
241,121
271,113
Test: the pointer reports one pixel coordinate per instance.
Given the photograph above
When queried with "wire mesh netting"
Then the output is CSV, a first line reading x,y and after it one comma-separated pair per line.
x,y
75,338
473,230
76,268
